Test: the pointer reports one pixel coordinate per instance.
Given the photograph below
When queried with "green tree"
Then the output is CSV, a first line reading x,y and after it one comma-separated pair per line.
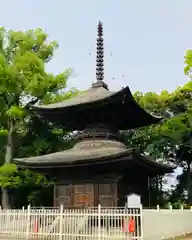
x,y
171,140
23,81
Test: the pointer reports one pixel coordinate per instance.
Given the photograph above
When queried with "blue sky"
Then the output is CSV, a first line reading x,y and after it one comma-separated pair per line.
x,y
147,39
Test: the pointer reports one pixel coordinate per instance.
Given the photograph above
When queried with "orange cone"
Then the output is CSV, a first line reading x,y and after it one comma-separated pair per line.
x,y
36,227
131,225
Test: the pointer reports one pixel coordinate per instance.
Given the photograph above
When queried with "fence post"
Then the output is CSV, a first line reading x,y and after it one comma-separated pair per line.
x,y
61,223
28,221
170,207
141,222
99,222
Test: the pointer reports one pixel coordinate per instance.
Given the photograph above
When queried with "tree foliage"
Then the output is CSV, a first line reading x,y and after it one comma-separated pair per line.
x,y
24,81
171,140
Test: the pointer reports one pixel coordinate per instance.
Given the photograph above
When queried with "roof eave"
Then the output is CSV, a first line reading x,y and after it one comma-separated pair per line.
x,y
94,161
142,160
160,167
41,110
112,97
83,104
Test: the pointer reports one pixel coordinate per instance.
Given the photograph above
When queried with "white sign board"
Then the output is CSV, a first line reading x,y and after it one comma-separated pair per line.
x,y
133,201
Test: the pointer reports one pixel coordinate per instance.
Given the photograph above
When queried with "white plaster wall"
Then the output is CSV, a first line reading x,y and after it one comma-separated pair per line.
x,y
165,223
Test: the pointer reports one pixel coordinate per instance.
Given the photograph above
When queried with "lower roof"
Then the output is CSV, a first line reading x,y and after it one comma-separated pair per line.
x,y
94,152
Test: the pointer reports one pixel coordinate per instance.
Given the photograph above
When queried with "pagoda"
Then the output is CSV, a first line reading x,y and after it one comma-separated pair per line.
x,y
99,168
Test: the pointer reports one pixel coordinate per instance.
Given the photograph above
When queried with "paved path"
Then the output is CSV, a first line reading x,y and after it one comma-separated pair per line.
x,y
186,238
189,237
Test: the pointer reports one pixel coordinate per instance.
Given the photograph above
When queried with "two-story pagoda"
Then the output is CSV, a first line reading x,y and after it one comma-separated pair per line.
x,y
100,168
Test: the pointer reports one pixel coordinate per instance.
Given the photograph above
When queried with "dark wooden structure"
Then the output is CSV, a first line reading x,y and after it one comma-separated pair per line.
x,y
100,168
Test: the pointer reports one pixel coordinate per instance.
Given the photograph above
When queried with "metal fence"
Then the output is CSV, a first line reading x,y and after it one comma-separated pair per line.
x,y
65,224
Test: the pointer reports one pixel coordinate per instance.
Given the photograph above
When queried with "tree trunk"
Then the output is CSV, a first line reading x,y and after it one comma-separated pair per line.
x,y
189,200
5,198
8,157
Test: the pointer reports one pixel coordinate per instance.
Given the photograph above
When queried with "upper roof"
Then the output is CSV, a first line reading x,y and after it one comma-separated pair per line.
x,y
92,95
98,105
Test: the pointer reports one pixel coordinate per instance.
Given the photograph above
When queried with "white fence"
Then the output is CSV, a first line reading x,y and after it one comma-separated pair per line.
x,y
95,223
98,224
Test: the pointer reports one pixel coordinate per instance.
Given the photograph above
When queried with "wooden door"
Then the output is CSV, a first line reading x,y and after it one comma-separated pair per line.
x,y
108,194
83,195
63,195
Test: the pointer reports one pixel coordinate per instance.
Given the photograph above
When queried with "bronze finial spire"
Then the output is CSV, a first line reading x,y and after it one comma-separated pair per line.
x,y
100,58
100,53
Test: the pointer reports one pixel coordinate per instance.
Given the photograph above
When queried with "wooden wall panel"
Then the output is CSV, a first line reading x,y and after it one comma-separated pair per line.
x,y
84,195
63,195
108,194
